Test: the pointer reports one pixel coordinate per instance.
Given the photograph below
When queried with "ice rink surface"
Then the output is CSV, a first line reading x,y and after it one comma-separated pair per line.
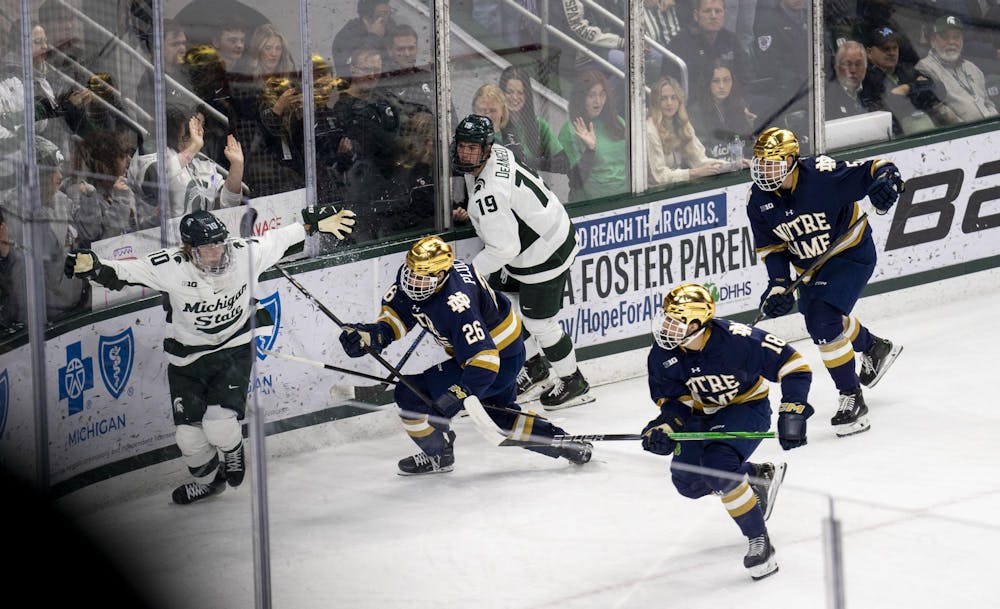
x,y
917,498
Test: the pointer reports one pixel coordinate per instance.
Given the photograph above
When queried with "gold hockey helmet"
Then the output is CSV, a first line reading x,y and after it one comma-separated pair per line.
x,y
686,303
428,257
770,165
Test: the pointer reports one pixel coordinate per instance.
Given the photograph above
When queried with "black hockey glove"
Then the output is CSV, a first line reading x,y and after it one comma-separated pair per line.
x,y
884,191
655,435
792,424
777,300
448,405
326,219
81,263
357,339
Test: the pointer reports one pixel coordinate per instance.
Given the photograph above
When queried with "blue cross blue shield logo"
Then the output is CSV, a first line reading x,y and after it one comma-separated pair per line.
x,y
115,354
76,377
4,400
266,341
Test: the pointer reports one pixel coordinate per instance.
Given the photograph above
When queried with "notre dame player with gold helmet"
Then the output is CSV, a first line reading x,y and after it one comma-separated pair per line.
x,y
708,374
798,207
480,330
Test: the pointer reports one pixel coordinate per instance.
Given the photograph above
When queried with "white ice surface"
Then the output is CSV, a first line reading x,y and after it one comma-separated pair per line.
x,y
917,498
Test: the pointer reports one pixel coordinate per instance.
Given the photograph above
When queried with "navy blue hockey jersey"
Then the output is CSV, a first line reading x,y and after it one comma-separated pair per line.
x,y
797,226
475,324
731,369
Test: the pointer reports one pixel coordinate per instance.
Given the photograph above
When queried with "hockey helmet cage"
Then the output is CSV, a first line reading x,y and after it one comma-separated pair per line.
x,y
770,165
686,303
428,257
477,129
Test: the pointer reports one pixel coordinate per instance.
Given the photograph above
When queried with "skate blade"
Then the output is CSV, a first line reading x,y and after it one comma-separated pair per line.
x,y
849,429
534,392
443,470
889,360
764,570
772,490
577,401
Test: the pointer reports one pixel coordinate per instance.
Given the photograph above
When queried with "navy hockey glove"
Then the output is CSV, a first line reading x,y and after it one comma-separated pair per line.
x,y
81,263
356,337
884,191
448,405
792,424
326,219
777,300
655,435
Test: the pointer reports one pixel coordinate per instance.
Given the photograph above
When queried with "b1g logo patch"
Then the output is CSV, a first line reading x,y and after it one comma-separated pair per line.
x,y
272,304
115,358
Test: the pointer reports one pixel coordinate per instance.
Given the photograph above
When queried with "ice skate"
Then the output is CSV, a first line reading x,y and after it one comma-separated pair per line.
x,y
852,414
767,492
576,452
422,463
876,360
532,378
566,392
760,561
196,491
235,464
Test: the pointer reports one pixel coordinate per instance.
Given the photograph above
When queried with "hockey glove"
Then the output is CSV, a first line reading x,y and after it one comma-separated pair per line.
x,y
448,405
792,424
884,191
81,263
326,219
777,301
655,435
358,339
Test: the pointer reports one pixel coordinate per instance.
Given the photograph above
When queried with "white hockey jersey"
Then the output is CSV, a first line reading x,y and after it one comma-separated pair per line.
x,y
524,227
208,313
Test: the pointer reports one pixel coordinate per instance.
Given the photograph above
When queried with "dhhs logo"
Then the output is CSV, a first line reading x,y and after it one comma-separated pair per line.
x,y
115,355
75,378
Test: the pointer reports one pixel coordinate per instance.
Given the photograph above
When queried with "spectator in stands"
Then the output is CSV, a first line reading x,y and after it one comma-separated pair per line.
x,y
660,23
229,39
908,94
527,133
964,83
175,45
591,30
193,180
412,85
706,42
207,74
782,36
104,205
369,147
268,54
594,140
65,33
11,264
63,298
740,18
282,100
266,67
844,93
674,153
413,194
720,116
370,27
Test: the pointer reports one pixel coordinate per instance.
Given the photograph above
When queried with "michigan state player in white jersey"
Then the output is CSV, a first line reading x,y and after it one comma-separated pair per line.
x,y
208,331
529,245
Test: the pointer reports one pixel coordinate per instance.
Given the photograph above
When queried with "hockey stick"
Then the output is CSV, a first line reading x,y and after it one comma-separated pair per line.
x,y
677,437
830,252
311,362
